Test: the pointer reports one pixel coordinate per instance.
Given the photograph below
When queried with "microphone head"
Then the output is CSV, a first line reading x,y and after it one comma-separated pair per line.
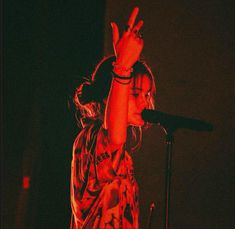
x,y
149,115
174,122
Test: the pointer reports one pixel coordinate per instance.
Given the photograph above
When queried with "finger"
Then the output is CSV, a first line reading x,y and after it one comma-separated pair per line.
x,y
115,33
138,26
132,18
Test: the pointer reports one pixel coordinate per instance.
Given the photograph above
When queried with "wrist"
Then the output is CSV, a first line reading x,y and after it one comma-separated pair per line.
x,y
121,79
121,70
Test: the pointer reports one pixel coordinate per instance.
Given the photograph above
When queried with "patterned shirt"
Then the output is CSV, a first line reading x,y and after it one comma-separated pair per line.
x,y
100,196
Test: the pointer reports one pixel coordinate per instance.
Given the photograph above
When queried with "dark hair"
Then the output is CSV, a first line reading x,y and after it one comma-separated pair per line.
x,y
98,87
89,96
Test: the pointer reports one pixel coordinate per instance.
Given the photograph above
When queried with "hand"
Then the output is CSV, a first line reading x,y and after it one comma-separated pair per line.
x,y
129,47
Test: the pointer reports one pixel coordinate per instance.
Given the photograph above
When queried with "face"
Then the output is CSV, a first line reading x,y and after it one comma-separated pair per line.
x,y
139,99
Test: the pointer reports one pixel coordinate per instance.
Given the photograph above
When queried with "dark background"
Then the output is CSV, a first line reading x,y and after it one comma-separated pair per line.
x,y
49,45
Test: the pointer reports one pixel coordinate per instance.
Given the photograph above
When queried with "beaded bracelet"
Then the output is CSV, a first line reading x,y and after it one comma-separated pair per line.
x,y
117,66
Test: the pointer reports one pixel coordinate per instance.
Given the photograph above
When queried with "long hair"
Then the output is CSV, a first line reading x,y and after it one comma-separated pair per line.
x,y
89,96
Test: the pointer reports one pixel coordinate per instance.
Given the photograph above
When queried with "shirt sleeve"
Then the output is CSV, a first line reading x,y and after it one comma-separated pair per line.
x,y
104,155
92,158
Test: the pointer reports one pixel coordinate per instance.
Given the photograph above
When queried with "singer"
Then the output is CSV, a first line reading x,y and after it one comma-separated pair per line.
x,y
104,192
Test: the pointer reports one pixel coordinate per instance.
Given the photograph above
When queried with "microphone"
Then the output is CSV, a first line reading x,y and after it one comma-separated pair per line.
x,y
174,122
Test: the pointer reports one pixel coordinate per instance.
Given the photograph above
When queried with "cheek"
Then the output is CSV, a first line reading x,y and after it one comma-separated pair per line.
x,y
130,108
132,103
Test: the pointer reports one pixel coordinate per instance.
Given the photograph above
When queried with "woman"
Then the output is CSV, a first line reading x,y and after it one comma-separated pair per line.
x,y
104,193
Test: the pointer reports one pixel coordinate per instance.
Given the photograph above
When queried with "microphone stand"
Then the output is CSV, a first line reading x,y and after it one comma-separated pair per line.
x,y
170,123
168,173
169,128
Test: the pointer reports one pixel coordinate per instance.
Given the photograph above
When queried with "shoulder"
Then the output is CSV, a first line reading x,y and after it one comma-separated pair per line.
x,y
87,135
89,130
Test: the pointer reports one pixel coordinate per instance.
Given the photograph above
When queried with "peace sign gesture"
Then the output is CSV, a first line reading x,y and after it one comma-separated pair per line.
x,y
128,48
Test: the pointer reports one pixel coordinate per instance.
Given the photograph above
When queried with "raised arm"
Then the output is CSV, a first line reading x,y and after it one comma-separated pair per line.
x,y
127,50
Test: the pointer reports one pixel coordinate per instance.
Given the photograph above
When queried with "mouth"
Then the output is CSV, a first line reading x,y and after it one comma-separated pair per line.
x,y
139,113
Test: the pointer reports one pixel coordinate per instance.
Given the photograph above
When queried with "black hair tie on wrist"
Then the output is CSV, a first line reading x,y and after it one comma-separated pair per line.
x,y
122,77
124,83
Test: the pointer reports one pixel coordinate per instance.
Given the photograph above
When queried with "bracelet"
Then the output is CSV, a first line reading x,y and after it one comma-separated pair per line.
x,y
121,77
128,70
122,82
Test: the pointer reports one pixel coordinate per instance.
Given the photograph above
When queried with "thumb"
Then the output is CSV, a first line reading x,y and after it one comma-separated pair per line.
x,y
115,33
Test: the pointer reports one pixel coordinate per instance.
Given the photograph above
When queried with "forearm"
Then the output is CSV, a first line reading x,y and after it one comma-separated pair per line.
x,y
116,112
127,50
